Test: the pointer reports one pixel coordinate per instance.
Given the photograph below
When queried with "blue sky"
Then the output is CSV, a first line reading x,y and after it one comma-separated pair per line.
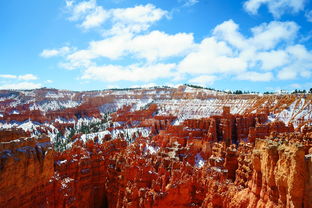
x,y
256,45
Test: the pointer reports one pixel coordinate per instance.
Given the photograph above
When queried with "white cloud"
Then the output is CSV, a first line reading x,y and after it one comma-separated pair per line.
x,y
265,36
295,85
130,20
95,18
79,10
112,48
268,35
287,73
270,47
228,31
300,63
148,85
127,39
113,73
280,59
21,85
47,53
134,19
159,45
27,77
139,14
153,46
69,3
276,7
204,80
255,76
8,76
189,3
48,81
308,15
212,57
88,13
19,77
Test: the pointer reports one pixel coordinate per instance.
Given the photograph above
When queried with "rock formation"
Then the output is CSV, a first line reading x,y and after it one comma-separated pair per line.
x,y
256,157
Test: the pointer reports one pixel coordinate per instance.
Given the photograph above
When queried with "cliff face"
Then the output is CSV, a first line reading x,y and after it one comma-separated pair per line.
x,y
25,172
278,177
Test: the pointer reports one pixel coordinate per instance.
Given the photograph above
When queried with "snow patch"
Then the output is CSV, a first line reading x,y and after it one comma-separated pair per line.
x,y
199,161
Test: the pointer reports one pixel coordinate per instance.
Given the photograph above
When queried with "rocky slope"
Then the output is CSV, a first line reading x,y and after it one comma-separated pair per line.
x,y
158,147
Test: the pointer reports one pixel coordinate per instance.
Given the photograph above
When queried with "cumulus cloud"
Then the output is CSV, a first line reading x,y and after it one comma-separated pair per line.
x,y
265,36
129,51
94,19
212,57
255,76
47,53
19,81
132,20
21,85
148,85
276,7
153,46
113,73
228,51
158,45
300,63
204,80
268,63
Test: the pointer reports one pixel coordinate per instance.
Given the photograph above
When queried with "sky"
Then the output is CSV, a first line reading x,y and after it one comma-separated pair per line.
x,y
254,45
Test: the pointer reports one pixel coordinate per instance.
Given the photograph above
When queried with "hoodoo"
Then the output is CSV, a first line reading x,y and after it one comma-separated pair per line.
x,y
117,149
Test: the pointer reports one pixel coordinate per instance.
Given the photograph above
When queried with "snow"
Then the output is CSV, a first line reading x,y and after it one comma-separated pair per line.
x,y
65,181
299,109
151,149
54,95
50,105
29,93
60,162
199,161
217,169
27,126
91,136
15,112
7,125
196,108
62,120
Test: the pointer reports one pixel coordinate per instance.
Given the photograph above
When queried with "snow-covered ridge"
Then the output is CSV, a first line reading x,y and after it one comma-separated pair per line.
x,y
185,102
52,105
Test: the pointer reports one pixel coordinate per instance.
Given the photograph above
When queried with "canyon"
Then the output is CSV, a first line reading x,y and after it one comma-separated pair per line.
x,y
155,147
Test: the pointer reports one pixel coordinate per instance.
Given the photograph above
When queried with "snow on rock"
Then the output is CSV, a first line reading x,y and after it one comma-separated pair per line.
x,y
199,161
91,136
151,149
28,126
60,162
130,132
14,112
50,105
54,95
196,108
